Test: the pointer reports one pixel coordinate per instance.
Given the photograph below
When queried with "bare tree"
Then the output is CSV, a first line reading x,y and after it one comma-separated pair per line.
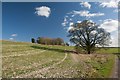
x,y
87,35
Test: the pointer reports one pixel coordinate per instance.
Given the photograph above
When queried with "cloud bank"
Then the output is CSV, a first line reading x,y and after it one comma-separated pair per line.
x,y
110,25
110,4
86,13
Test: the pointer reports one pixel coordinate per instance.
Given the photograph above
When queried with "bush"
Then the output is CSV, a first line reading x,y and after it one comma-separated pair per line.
x,y
67,44
50,41
33,40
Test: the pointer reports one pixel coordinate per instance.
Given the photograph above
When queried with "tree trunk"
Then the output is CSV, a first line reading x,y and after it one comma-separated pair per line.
x,y
88,52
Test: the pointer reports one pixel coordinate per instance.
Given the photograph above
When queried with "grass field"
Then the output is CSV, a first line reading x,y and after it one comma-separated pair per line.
x,y
27,60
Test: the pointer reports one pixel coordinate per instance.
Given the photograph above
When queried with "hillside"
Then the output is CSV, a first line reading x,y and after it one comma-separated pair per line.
x,y
25,60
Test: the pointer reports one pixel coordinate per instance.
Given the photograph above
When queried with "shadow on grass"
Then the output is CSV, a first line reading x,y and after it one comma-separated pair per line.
x,y
53,49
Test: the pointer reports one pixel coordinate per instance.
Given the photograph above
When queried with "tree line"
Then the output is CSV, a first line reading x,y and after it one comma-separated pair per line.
x,y
86,35
49,41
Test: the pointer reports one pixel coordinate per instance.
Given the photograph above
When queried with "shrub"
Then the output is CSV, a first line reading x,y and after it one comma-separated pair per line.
x,y
33,40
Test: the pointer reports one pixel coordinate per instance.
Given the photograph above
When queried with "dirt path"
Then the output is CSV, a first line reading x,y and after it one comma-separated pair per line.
x,y
75,57
38,73
119,68
114,73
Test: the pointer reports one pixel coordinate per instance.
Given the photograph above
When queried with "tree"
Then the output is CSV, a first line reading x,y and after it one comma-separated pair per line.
x,y
88,35
49,41
67,44
39,40
59,41
32,40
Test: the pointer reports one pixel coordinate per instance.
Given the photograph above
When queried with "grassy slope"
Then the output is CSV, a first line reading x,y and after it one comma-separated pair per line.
x,y
41,56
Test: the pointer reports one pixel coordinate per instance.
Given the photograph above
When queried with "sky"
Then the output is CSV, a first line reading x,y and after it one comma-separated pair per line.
x,y
22,21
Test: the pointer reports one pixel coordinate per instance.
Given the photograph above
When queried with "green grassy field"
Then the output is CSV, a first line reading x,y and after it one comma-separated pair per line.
x,y
27,60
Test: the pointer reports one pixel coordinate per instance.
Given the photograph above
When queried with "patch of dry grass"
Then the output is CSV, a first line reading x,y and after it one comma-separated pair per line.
x,y
21,59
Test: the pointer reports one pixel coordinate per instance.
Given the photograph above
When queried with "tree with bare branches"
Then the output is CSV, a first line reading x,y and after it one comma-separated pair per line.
x,y
88,35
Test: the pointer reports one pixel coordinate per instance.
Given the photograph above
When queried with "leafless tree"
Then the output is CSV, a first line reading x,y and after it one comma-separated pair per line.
x,y
88,35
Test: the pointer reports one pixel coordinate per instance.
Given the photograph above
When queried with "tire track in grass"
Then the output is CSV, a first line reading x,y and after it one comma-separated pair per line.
x,y
32,65
18,50
15,45
29,67
15,50
38,72
5,68
17,55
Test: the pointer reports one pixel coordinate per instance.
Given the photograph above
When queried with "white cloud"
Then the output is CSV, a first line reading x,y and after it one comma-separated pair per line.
x,y
63,24
72,15
14,35
70,26
86,4
43,11
78,21
94,32
110,25
65,21
71,23
70,19
114,42
91,21
110,4
114,39
11,38
66,16
86,13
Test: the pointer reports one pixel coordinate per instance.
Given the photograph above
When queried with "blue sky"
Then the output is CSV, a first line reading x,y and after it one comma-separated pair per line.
x,y
24,20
